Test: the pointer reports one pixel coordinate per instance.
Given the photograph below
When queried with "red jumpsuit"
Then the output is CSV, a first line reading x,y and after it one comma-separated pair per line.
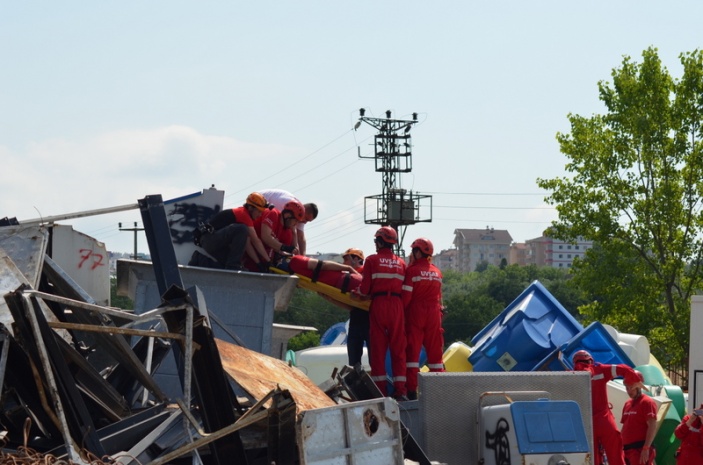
x,y
299,264
382,280
691,450
605,430
422,299
635,414
271,218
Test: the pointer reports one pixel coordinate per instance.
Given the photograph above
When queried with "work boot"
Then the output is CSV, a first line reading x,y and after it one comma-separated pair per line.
x,y
401,398
194,259
412,395
203,261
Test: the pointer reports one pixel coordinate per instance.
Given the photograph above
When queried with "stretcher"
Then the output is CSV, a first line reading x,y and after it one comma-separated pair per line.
x,y
327,290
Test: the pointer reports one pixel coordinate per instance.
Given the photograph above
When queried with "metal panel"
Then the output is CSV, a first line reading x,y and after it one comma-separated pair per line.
x,y
244,302
449,405
185,213
364,432
84,259
160,248
26,246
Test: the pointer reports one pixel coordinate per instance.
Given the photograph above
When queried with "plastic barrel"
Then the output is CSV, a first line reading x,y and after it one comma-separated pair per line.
x,y
456,358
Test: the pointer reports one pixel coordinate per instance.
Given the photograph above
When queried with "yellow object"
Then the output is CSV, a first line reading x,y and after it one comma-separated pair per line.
x,y
325,289
653,361
456,357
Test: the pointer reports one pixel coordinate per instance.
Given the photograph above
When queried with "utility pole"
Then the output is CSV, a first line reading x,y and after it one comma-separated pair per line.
x,y
395,207
136,230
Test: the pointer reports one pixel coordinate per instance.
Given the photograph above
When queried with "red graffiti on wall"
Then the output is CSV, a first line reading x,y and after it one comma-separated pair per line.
x,y
94,259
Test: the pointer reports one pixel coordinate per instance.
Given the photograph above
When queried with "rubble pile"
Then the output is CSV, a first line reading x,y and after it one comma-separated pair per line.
x,y
79,380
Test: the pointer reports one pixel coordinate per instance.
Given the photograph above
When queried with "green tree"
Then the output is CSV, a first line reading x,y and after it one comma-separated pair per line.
x,y
307,308
474,299
636,190
125,303
303,341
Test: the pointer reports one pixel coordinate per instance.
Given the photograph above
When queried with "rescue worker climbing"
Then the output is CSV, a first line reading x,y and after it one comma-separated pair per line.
x,y
422,299
229,234
382,282
605,430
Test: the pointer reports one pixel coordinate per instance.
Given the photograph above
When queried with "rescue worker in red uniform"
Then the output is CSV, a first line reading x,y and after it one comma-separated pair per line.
x,y
605,430
382,282
229,234
639,424
275,229
422,299
690,433
358,332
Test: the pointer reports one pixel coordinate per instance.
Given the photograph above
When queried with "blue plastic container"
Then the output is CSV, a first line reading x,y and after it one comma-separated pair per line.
x,y
549,427
332,333
598,342
527,331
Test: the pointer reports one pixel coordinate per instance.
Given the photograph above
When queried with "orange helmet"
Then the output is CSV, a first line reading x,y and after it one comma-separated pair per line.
x,y
354,252
582,356
257,201
388,235
296,208
424,244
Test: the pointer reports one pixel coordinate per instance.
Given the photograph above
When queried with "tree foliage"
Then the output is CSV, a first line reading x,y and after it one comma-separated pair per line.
x,y
307,308
474,299
635,189
125,303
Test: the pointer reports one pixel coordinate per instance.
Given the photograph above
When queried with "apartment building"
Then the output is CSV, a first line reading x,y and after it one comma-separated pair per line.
x,y
445,260
518,254
475,246
547,251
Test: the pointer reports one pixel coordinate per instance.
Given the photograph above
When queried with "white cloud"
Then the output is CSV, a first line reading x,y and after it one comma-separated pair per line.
x,y
61,176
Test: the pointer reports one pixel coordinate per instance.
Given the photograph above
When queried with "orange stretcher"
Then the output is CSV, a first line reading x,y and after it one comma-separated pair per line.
x,y
327,290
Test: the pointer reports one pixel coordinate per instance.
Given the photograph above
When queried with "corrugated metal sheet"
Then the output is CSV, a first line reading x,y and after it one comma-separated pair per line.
x,y
259,374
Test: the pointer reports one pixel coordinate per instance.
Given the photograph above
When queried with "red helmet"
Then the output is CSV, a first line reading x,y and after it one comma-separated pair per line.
x,y
582,356
639,378
424,244
257,201
388,235
296,208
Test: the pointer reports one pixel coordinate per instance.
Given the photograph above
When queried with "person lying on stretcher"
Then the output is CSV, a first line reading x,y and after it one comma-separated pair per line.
x,y
343,277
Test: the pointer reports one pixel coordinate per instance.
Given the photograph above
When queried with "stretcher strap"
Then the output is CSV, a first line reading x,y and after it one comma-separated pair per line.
x,y
345,283
316,271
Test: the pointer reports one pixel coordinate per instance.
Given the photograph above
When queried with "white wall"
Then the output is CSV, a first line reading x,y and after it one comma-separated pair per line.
x,y
695,354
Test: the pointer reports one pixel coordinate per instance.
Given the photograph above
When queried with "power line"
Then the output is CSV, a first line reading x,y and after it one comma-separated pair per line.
x,y
296,162
494,208
490,193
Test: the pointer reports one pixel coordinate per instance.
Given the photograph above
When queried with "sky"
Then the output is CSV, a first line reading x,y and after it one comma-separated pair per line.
x,y
104,103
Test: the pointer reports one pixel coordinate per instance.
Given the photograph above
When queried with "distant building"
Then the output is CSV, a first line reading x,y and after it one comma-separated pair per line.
x,y
518,254
547,251
445,260
475,246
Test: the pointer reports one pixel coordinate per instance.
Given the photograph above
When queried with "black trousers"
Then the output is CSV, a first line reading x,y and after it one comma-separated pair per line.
x,y
227,245
357,335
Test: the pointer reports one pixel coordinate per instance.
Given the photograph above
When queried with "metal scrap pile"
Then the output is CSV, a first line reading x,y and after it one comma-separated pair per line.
x,y
77,378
